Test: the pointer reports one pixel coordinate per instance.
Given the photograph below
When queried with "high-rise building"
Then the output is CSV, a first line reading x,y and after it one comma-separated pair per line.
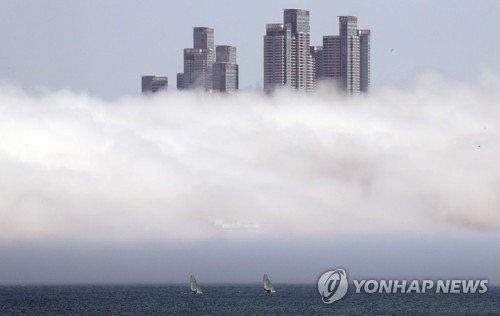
x,y
287,60
198,61
302,72
225,70
349,54
152,84
346,57
277,56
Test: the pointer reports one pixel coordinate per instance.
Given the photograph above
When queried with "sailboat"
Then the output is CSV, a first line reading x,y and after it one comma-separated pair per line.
x,y
195,288
267,285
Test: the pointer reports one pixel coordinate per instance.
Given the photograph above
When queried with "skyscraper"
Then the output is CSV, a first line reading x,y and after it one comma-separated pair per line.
x,y
198,61
277,57
349,54
346,57
287,61
225,70
152,84
302,72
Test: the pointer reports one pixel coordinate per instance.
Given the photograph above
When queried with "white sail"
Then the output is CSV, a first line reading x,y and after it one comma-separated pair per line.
x,y
195,288
267,285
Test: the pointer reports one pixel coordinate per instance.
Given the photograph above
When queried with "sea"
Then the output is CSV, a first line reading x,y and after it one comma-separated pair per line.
x,y
232,299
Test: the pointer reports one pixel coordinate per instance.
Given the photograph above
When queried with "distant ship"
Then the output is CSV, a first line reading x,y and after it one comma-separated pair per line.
x,y
195,288
267,285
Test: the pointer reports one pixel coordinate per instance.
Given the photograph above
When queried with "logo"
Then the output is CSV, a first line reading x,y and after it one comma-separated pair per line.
x,y
332,285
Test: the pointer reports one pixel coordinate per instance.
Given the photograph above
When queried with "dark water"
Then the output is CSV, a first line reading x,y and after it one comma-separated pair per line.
x,y
231,300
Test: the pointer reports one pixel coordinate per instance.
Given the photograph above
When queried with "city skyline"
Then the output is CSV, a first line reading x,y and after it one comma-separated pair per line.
x,y
142,40
289,60
101,185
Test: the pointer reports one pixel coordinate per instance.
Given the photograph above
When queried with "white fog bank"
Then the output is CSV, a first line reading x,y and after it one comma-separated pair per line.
x,y
189,166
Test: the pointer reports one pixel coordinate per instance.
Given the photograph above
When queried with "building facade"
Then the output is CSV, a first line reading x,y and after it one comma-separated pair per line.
x,y
152,84
302,63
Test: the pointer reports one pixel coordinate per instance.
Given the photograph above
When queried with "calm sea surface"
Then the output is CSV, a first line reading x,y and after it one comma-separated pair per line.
x,y
231,300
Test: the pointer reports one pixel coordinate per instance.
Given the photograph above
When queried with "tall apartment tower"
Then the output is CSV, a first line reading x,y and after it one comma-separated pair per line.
x,y
152,84
277,57
349,54
302,72
346,57
225,69
287,60
198,61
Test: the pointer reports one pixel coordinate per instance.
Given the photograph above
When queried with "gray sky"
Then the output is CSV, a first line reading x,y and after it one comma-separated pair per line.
x,y
104,47
100,184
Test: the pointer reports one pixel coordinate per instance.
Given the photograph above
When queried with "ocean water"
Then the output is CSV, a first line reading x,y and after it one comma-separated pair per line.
x,y
232,299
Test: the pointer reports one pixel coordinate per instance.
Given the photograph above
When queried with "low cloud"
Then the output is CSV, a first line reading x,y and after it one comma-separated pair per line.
x,y
186,166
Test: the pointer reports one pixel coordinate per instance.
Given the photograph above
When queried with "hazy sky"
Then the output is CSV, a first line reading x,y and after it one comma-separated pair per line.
x,y
100,184
103,47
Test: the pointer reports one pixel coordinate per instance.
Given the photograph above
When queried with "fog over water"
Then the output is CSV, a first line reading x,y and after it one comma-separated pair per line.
x,y
148,189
